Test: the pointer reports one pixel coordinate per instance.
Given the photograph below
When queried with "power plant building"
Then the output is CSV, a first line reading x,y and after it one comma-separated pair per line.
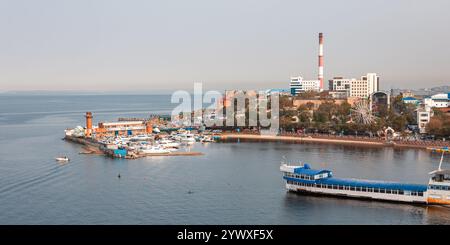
x,y
298,85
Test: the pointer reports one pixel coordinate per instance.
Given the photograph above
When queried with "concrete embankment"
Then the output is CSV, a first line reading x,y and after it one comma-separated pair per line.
x,y
309,139
91,146
296,139
177,153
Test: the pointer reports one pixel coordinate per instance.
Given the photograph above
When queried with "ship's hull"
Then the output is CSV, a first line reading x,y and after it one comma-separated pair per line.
x,y
357,194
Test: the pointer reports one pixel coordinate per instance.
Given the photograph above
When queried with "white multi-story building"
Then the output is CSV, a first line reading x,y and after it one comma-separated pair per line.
x,y
298,85
373,82
423,118
340,86
437,101
361,88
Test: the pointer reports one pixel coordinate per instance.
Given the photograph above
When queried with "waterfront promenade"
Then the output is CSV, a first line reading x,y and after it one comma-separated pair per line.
x,y
335,139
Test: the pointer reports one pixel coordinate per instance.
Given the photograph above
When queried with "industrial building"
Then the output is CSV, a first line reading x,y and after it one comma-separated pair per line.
x,y
411,100
298,85
437,101
120,128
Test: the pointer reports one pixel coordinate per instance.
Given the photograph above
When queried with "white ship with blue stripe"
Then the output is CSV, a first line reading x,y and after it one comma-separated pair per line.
x,y
303,179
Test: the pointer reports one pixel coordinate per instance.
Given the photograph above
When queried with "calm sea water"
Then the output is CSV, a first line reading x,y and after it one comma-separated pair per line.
x,y
233,183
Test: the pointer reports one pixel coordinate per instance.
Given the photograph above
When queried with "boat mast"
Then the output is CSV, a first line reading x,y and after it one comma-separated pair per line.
x,y
442,159
284,160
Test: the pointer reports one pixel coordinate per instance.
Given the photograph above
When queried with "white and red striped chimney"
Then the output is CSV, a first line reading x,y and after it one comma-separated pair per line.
x,y
321,60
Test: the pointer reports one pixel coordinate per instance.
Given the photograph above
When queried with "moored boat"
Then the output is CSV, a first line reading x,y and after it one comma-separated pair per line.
x,y
142,137
154,150
187,139
169,144
439,185
301,178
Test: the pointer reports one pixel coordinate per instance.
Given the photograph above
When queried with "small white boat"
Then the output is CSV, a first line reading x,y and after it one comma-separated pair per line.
x,y
141,137
169,144
62,159
188,139
154,150
206,139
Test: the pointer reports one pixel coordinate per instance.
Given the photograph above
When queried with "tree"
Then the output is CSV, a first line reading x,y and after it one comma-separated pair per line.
x,y
304,114
343,112
285,102
307,95
327,109
439,125
434,126
320,116
310,105
399,122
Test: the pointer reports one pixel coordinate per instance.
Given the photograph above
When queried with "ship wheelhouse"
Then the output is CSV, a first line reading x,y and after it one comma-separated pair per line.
x,y
305,173
439,187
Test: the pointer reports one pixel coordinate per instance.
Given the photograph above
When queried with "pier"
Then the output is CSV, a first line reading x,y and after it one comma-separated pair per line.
x,y
94,147
177,153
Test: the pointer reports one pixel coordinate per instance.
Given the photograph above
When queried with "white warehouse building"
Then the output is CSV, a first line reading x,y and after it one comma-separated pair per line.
x,y
437,101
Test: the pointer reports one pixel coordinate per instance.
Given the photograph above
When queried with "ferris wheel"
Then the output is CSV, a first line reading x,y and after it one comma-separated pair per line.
x,y
361,113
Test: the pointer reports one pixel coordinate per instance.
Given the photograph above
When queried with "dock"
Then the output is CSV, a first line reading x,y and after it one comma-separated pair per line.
x,y
93,147
186,153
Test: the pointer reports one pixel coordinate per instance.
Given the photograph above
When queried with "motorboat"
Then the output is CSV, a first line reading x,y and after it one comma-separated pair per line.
x,y
187,139
62,159
169,144
142,137
154,150
206,139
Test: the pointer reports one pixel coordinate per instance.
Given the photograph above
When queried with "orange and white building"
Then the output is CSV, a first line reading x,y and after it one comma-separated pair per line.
x,y
120,128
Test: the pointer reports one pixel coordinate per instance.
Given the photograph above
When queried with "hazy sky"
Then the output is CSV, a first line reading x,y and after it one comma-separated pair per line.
x,y
154,45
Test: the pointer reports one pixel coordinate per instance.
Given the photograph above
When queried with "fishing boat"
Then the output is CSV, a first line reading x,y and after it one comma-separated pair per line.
x,y
62,159
301,178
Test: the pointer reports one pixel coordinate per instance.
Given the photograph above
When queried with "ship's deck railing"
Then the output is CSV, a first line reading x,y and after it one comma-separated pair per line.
x,y
358,189
364,183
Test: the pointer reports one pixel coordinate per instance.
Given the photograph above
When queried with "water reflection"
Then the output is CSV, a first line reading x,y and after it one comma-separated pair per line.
x,y
437,215
336,210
